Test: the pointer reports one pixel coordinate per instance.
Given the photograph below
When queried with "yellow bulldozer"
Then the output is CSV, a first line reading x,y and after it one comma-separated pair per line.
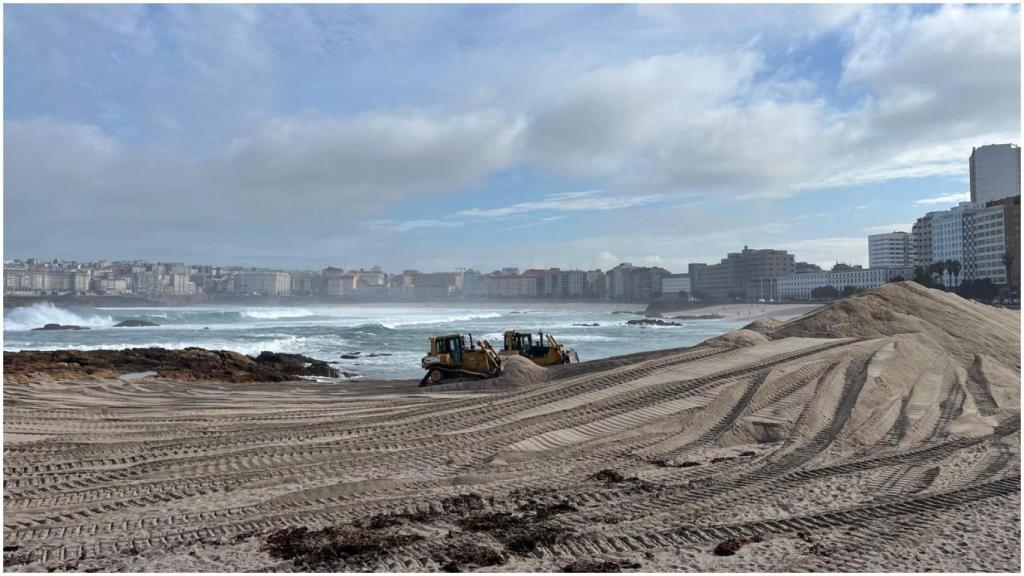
x,y
456,356
541,352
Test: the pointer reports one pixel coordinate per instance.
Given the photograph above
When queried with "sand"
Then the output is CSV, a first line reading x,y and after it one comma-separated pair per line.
x,y
750,311
880,433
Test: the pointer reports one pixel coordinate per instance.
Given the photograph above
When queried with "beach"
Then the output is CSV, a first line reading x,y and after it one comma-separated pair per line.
x,y
877,433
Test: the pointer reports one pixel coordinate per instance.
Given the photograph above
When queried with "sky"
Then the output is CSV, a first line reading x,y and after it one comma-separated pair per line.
x,y
438,137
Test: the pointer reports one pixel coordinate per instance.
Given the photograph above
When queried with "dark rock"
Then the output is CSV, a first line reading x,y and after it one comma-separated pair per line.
x,y
672,464
732,545
651,322
61,327
599,566
609,476
334,546
462,556
585,324
187,364
631,483
378,354
135,323
350,356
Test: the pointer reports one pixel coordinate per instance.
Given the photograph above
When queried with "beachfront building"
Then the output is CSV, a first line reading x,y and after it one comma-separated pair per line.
x,y
616,280
799,286
890,250
921,241
179,284
746,274
108,285
512,286
567,284
23,281
473,284
597,283
306,283
1011,235
674,285
643,284
975,235
436,284
995,172
263,283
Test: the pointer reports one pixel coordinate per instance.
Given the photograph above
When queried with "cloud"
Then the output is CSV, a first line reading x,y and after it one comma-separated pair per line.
x,y
410,225
591,200
827,251
230,129
945,199
883,228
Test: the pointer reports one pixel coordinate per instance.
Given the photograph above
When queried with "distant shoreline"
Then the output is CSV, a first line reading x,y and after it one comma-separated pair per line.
x,y
98,301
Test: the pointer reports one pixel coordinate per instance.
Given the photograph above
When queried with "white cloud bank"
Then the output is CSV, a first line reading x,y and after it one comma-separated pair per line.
x,y
697,122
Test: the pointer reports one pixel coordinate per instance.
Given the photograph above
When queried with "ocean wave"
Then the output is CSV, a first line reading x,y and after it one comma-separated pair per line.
x,y
40,314
275,313
442,320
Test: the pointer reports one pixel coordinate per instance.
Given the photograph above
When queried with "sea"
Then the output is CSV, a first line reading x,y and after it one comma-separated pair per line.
x,y
397,334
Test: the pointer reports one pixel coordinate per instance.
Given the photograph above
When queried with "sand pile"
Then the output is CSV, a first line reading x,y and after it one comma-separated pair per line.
x,y
519,371
960,326
880,433
764,325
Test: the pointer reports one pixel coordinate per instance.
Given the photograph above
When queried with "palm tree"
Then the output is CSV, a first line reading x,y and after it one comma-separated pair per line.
x,y
954,268
920,277
936,268
1008,263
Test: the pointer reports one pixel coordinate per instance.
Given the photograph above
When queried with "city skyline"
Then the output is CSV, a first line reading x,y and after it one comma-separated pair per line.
x,y
438,137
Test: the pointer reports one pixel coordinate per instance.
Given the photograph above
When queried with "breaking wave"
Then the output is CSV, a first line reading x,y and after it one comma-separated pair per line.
x,y
442,320
275,313
38,315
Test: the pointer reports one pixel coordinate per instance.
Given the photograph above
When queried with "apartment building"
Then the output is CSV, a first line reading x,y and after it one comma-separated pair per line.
x,y
513,286
675,284
975,235
995,172
890,250
264,283
921,241
747,274
799,286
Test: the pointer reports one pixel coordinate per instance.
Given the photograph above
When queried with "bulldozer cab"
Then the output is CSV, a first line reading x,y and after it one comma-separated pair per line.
x,y
455,356
544,351
519,341
452,345
522,343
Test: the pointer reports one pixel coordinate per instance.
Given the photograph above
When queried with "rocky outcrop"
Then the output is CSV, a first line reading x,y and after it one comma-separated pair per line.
x,y
187,364
652,322
61,327
135,323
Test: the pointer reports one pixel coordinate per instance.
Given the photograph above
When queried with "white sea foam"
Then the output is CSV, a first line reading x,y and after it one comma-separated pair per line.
x,y
275,313
38,315
440,320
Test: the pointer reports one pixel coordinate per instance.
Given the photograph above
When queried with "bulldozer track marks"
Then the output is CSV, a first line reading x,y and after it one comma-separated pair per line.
x,y
108,483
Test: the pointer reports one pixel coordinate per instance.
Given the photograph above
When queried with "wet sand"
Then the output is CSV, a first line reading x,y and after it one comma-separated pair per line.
x,y
882,435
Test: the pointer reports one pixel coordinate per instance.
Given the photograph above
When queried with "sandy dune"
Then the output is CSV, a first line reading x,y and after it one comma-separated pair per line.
x,y
881,433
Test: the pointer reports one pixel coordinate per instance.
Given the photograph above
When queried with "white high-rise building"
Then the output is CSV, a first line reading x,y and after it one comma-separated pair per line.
x,y
995,172
889,250
971,234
